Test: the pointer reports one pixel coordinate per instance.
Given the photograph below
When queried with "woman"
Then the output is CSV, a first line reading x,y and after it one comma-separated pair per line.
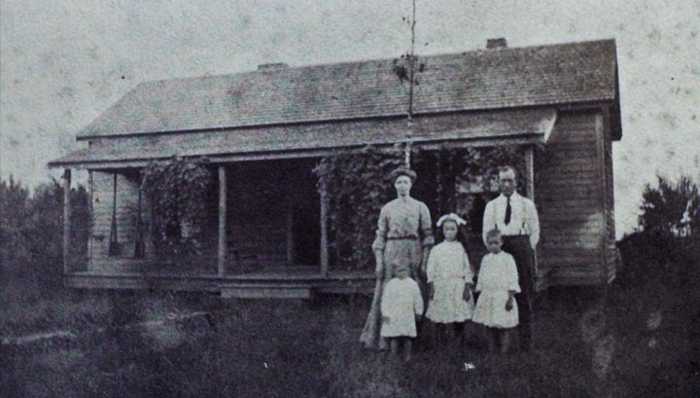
x,y
404,235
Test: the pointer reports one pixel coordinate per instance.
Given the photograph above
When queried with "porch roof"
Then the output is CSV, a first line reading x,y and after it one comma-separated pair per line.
x,y
316,139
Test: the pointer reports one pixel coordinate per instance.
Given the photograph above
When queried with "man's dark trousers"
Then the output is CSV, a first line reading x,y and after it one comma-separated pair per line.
x,y
519,247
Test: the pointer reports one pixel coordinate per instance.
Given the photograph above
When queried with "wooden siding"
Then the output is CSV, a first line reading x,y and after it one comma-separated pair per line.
x,y
569,195
102,185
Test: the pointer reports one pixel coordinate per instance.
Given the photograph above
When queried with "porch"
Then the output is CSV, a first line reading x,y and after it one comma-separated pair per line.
x,y
262,222
266,232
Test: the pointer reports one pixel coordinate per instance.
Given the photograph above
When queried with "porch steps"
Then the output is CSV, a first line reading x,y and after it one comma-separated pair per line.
x,y
267,290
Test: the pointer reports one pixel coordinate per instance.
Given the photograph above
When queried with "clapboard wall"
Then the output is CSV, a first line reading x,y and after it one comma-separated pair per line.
x,y
575,209
102,195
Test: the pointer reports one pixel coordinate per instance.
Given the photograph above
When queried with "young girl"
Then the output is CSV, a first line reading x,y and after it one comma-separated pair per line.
x,y
450,280
401,306
498,283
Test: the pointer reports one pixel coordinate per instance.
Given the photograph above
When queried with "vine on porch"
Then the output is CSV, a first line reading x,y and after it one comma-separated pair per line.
x,y
357,185
177,190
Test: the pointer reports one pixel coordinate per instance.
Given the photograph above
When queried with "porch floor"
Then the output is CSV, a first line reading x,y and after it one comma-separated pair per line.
x,y
279,282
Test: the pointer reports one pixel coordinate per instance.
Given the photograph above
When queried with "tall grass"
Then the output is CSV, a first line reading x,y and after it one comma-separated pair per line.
x,y
293,348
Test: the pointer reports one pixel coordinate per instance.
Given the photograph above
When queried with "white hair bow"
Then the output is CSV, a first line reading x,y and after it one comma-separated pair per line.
x,y
451,217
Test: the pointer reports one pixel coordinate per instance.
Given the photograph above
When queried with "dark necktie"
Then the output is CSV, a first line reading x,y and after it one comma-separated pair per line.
x,y
508,211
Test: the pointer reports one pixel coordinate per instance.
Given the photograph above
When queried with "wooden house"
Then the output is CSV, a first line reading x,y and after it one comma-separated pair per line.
x,y
264,130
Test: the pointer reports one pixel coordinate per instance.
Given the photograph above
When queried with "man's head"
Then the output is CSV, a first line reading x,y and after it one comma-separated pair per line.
x,y
507,180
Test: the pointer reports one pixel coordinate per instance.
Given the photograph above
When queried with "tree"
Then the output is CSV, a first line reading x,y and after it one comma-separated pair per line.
x,y
14,208
672,208
31,228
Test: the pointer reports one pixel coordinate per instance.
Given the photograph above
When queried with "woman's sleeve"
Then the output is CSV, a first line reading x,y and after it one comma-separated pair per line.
x,y
382,226
426,226
513,275
468,273
417,300
487,223
478,280
432,267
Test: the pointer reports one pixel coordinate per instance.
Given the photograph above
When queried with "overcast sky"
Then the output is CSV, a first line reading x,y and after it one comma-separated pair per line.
x,y
62,63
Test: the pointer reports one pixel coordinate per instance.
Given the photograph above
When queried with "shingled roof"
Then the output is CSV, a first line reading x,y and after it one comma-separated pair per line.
x,y
476,80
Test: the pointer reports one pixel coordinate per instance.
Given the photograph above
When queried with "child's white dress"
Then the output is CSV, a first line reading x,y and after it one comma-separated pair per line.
x,y
401,302
448,269
497,275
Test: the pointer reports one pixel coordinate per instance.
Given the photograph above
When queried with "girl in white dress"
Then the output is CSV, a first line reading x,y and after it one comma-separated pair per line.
x,y
498,283
401,307
450,280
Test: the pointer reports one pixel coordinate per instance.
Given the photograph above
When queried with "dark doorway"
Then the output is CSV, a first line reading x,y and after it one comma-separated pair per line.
x,y
274,214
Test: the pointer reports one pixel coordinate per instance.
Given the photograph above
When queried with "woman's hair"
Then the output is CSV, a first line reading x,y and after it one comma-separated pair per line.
x,y
403,171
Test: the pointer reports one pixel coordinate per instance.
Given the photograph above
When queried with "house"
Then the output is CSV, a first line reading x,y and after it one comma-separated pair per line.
x,y
263,131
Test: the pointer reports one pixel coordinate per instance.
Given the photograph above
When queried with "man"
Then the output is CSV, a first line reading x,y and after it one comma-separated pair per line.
x,y
516,217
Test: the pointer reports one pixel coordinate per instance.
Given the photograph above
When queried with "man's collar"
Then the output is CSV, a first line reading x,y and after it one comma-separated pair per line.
x,y
514,195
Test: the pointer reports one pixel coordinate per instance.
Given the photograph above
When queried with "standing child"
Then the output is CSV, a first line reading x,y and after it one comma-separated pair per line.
x,y
450,280
498,283
401,306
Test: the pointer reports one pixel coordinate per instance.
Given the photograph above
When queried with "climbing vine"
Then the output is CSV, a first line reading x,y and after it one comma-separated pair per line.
x,y
178,193
357,186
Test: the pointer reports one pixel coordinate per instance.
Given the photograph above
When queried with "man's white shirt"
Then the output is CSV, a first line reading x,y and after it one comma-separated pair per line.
x,y
523,217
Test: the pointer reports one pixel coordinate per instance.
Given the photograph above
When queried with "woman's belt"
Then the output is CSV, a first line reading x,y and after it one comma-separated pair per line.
x,y
408,237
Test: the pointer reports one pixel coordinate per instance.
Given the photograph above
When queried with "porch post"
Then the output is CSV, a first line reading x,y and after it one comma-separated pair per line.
x,y
221,254
290,229
66,221
324,230
91,209
530,171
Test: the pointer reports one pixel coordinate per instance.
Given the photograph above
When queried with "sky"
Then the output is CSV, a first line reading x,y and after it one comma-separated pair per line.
x,y
62,63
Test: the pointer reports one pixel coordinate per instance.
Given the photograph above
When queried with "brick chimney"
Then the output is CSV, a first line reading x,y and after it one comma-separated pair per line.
x,y
499,42
272,67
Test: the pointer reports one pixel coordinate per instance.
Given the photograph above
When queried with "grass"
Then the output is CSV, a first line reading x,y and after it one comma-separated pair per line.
x,y
27,308
636,342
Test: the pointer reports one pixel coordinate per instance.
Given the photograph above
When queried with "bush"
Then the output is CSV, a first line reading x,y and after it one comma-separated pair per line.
x,y
31,227
666,248
178,191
